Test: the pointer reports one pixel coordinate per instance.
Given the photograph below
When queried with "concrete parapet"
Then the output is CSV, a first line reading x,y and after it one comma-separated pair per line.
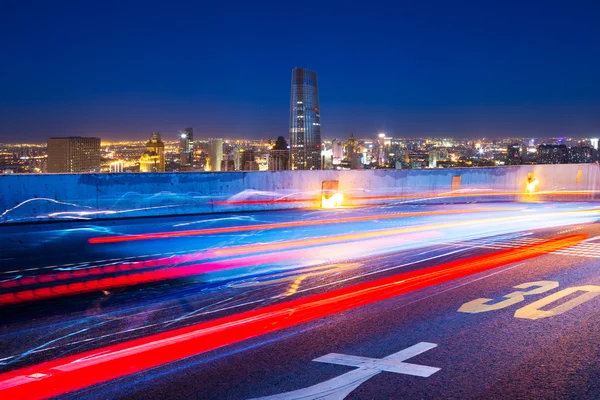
x,y
28,198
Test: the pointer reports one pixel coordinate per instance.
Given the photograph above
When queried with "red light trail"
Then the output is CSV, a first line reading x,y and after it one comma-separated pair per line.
x,y
78,371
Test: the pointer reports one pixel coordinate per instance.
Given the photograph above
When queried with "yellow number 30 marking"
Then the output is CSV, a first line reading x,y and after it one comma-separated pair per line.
x,y
532,311
480,305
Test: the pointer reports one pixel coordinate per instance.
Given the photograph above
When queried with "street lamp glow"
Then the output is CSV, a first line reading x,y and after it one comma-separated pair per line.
x,y
531,185
332,202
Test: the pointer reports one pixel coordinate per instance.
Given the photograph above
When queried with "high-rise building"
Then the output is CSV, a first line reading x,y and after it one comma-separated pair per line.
x,y
337,150
513,154
581,154
215,153
552,154
279,156
186,147
116,166
153,159
352,153
73,154
594,143
249,161
305,120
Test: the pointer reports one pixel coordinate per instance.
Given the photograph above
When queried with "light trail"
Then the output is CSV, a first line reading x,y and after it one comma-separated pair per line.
x,y
387,232
67,374
135,278
487,193
282,225
152,276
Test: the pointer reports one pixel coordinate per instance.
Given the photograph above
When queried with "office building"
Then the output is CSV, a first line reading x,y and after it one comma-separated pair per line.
x,y
594,143
116,167
279,156
552,154
337,151
215,154
73,154
153,159
305,121
186,147
352,154
513,154
249,161
581,154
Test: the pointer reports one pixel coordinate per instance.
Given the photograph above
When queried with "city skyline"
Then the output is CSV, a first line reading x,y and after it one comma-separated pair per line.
x,y
470,70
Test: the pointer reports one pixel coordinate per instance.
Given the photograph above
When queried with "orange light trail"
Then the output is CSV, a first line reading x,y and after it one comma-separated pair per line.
x,y
415,196
281,225
135,276
67,374
383,232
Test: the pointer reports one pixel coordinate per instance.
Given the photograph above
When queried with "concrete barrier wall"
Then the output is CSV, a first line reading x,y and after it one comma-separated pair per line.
x,y
94,196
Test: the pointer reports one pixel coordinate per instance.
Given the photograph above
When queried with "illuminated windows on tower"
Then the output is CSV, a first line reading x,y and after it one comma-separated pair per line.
x,y
305,121
186,147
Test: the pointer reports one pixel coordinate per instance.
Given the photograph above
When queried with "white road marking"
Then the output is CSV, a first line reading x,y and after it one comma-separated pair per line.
x,y
340,387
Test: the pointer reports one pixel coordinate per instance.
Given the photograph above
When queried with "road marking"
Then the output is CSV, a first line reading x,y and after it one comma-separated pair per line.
x,y
339,387
481,304
532,311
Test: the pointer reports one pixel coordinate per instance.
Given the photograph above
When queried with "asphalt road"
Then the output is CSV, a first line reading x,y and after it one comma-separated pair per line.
x,y
504,347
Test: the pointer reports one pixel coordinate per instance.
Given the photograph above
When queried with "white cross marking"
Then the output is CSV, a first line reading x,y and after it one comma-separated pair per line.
x,y
340,387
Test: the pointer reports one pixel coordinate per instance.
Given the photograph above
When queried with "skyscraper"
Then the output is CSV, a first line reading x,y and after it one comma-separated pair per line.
x,y
305,121
186,147
279,155
215,153
73,154
153,159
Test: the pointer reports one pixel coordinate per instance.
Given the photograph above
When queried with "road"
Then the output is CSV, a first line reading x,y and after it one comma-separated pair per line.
x,y
240,306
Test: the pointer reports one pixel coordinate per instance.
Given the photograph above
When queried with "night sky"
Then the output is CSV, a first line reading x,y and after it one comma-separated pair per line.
x,y
121,69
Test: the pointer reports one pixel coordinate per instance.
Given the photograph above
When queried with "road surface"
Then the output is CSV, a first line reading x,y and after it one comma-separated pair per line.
x,y
495,300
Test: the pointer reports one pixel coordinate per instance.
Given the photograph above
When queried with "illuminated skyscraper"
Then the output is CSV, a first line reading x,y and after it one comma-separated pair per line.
x,y
215,153
73,154
594,143
186,147
305,121
153,159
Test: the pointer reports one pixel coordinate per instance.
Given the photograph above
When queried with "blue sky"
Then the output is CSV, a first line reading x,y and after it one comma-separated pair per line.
x,y
121,69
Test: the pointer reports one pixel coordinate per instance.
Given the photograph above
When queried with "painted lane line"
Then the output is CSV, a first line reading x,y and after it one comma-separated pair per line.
x,y
340,387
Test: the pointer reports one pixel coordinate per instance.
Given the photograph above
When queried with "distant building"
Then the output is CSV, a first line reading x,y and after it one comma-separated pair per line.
x,y
73,154
436,154
279,156
116,166
594,143
153,159
352,155
513,154
337,150
552,154
215,154
305,121
581,154
249,161
186,147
